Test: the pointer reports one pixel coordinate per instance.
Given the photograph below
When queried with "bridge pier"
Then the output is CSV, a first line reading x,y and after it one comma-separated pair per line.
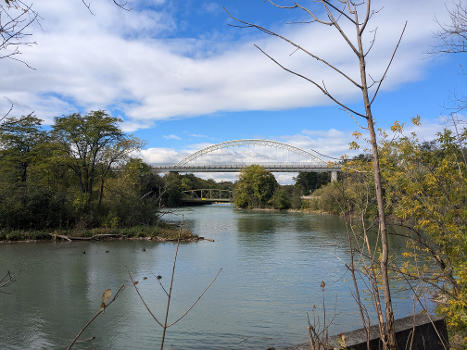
x,y
333,175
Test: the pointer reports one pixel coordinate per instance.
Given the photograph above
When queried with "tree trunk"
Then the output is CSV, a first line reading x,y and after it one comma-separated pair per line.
x,y
390,333
101,191
389,339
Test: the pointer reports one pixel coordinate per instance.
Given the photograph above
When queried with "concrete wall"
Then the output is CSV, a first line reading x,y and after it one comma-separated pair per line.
x,y
425,335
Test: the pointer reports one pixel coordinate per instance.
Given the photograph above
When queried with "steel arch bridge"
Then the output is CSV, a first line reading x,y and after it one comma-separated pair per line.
x,y
313,161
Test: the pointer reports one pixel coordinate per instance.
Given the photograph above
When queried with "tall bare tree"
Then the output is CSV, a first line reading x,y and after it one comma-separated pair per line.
x,y
16,18
340,15
452,36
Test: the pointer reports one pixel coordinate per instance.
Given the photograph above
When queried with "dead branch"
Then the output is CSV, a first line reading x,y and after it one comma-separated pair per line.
x,y
134,283
323,90
297,46
165,325
197,299
6,114
389,64
121,4
453,36
16,17
101,310
55,236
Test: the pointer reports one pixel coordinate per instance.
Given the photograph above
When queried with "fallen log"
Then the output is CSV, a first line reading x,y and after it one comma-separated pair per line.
x,y
95,237
55,236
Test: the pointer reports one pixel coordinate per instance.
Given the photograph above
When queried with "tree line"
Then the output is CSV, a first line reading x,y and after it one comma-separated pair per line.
x,y
82,172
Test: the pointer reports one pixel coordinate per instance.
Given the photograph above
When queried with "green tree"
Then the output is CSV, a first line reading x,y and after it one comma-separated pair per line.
x,y
90,146
133,196
426,190
255,187
310,181
281,199
19,143
172,193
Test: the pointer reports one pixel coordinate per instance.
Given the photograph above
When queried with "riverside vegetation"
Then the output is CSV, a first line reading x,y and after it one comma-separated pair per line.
x,y
425,196
80,179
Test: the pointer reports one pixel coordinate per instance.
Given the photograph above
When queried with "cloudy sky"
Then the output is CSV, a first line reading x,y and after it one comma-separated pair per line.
x,y
181,78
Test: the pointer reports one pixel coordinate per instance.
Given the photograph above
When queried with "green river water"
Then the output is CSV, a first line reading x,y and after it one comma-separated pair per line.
x,y
273,264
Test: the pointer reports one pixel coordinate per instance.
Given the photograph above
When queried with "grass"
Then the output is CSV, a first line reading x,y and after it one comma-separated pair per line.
x,y
163,231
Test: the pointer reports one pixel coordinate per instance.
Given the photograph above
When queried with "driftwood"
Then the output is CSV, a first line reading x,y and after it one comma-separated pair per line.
x,y
95,237
55,236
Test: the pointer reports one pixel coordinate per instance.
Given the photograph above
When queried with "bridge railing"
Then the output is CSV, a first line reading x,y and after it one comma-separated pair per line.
x,y
298,165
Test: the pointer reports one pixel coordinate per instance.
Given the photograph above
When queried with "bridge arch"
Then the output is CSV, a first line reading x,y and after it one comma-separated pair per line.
x,y
312,155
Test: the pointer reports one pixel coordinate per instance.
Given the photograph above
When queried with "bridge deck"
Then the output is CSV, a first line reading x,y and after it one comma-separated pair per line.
x,y
293,167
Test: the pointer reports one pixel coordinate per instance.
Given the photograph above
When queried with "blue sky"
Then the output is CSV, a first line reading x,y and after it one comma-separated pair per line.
x,y
181,78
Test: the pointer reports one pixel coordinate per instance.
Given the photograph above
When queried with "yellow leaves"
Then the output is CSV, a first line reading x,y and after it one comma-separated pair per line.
x,y
353,145
416,121
105,298
341,342
357,134
424,222
397,127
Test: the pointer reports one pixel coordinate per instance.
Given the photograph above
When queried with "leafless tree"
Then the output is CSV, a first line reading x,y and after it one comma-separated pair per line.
x,y
105,303
16,20
122,4
337,15
452,36
165,324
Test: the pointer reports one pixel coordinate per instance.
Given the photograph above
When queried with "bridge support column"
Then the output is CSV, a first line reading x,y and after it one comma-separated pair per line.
x,y
333,175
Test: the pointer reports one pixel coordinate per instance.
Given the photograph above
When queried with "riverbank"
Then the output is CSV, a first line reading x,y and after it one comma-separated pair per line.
x,y
162,232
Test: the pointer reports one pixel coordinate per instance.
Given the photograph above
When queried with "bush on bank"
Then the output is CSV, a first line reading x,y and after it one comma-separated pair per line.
x,y
425,194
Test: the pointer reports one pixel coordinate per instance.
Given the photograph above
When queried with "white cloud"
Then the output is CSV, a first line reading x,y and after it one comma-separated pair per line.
x,y
171,137
116,59
211,7
160,155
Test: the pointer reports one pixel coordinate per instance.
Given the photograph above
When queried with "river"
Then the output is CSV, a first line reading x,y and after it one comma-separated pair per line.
x,y
273,264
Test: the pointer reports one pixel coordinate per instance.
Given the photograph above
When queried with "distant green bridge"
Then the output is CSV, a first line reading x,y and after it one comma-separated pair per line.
x,y
207,195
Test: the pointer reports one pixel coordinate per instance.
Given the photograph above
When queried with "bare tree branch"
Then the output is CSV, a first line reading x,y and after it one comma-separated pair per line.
x,y
134,283
311,13
298,47
101,310
372,42
196,301
16,16
453,36
323,90
389,64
